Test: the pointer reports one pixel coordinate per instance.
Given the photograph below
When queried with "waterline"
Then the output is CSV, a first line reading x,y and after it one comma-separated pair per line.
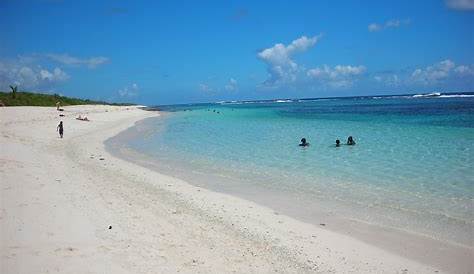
x,y
410,169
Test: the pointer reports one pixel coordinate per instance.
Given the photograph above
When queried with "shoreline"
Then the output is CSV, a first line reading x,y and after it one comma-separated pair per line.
x,y
408,243
59,199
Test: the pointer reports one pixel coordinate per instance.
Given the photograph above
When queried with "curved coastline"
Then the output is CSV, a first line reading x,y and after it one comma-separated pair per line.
x,y
450,256
69,205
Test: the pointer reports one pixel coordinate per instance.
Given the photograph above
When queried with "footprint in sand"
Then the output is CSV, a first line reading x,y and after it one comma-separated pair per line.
x,y
67,251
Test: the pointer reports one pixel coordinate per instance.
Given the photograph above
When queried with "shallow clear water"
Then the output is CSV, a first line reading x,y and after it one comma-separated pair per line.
x,y
412,167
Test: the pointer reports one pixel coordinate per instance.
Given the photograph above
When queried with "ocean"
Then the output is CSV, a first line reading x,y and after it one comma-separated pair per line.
x,y
411,168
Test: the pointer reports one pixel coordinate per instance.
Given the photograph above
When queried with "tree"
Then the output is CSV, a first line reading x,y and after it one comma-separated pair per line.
x,y
14,90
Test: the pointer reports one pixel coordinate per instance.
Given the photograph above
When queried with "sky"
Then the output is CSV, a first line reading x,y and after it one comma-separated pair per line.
x,y
169,52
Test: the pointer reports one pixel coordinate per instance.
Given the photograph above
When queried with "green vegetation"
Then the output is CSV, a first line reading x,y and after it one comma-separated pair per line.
x,y
16,98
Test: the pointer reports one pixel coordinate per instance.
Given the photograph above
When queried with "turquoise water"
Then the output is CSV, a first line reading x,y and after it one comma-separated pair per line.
x,y
412,166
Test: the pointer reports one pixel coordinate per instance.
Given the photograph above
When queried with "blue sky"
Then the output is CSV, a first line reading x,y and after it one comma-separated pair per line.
x,y
164,52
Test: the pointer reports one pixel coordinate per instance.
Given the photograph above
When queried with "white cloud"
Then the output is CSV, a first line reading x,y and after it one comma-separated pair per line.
x,y
41,72
374,27
232,85
391,80
67,59
340,76
441,72
56,75
464,70
432,74
213,87
302,44
30,76
460,4
205,88
393,23
280,65
129,91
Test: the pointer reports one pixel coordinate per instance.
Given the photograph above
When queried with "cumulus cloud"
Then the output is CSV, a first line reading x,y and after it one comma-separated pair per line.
x,y
433,74
460,4
280,65
393,23
129,91
56,75
30,76
41,72
340,76
232,85
443,72
67,59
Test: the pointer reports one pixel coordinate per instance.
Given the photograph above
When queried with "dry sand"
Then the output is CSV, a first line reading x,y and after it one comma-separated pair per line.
x,y
59,198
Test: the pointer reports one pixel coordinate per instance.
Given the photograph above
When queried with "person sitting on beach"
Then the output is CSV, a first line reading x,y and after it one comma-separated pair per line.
x,y
338,143
82,118
60,128
350,141
304,143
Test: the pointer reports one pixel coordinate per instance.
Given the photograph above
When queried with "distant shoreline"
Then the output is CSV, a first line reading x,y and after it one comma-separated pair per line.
x,y
47,100
464,94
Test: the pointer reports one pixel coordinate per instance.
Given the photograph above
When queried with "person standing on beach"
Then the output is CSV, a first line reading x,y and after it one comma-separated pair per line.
x,y
60,128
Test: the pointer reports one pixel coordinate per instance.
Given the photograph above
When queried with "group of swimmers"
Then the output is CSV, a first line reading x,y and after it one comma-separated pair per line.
x,y
350,142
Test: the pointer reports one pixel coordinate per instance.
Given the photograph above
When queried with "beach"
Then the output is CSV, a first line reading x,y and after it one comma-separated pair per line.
x,y
69,206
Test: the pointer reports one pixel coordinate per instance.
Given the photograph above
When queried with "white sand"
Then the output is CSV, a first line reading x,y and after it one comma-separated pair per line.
x,y
58,200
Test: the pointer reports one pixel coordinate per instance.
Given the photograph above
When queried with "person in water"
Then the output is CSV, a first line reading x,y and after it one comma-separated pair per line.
x,y
338,143
60,128
350,141
304,143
